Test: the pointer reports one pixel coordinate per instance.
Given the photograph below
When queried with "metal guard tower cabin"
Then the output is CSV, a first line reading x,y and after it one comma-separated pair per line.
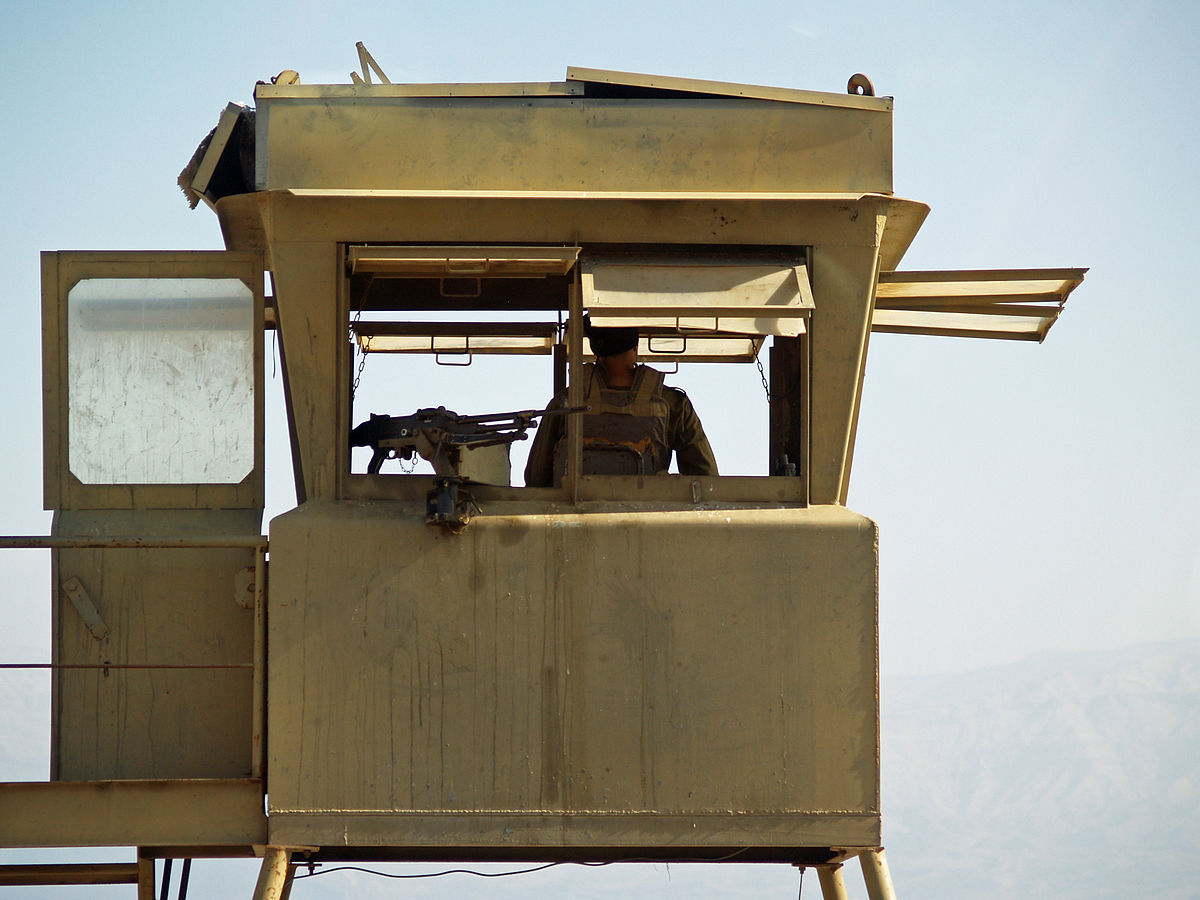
x,y
620,667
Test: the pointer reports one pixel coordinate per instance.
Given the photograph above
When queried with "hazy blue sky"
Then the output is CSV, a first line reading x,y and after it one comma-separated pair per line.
x,y
1030,498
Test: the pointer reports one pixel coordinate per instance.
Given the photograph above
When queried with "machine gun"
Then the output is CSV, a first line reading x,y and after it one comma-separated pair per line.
x,y
459,448
441,435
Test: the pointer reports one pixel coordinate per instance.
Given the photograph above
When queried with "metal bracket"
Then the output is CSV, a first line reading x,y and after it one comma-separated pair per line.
x,y
860,85
448,504
83,604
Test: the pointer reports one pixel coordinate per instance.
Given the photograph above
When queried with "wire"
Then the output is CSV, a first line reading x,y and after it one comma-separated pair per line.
x,y
564,862
427,874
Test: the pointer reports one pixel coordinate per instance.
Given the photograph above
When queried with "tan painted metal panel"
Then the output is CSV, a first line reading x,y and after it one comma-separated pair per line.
x,y
600,664
701,293
635,491
843,288
70,873
496,261
1011,304
793,196
786,220
664,344
369,92
164,607
701,145
1027,284
216,147
727,89
448,345
537,835
904,220
242,216
214,812
454,337
964,324
53,387
310,325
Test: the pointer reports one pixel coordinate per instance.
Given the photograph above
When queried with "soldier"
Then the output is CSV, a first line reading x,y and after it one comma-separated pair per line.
x,y
633,422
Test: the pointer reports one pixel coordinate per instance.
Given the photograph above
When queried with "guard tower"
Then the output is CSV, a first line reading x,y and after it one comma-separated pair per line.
x,y
451,665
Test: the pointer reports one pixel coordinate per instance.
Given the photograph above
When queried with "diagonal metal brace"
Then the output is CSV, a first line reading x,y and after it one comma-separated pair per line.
x,y
83,604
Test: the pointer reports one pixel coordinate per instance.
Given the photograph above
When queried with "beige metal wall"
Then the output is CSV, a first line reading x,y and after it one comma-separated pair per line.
x,y
573,677
209,817
163,608
701,144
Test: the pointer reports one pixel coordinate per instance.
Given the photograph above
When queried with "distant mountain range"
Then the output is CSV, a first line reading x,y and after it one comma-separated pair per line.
x,y
1064,776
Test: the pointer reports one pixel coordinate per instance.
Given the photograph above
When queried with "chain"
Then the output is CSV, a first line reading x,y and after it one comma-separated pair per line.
x,y
358,348
763,376
406,466
362,362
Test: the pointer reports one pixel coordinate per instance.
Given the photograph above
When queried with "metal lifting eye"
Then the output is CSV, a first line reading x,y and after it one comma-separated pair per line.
x,y
860,84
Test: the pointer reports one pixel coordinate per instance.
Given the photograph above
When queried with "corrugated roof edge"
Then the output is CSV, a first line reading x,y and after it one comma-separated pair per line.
x,y
638,84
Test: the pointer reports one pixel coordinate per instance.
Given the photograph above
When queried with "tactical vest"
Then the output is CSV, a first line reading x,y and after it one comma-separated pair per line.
x,y
624,431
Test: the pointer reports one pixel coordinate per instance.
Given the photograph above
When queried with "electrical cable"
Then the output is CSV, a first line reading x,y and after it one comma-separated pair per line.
x,y
312,873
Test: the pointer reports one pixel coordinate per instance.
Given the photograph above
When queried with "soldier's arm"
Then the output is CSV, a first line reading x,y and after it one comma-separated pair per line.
x,y
539,469
693,454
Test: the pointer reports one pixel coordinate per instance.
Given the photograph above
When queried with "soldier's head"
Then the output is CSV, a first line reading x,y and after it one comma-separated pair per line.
x,y
607,342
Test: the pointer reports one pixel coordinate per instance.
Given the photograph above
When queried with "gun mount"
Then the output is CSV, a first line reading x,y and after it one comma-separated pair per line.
x,y
460,449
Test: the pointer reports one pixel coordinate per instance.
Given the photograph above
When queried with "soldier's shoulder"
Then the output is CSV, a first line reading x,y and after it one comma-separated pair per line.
x,y
674,394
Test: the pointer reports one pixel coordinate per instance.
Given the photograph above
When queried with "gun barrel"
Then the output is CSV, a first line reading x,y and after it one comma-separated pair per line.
x,y
522,416
519,416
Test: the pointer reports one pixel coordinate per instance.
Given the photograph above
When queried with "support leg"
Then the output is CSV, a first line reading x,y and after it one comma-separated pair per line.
x,y
165,892
274,878
833,885
145,877
876,875
287,884
183,879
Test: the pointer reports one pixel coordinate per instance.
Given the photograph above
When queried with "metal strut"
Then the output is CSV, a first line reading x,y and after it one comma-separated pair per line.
x,y
875,874
275,876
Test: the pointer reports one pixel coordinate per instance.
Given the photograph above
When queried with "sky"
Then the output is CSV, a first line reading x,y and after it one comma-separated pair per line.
x,y
1030,498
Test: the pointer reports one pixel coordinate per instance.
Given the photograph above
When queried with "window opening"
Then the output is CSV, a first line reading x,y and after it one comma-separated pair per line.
x,y
160,380
477,355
